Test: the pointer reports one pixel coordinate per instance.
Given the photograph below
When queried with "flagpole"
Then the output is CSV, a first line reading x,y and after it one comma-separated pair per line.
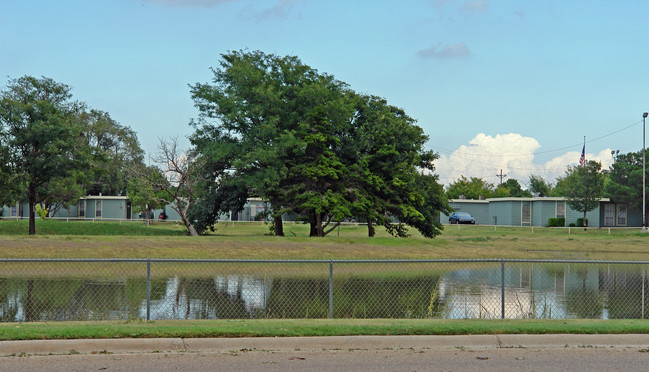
x,y
644,221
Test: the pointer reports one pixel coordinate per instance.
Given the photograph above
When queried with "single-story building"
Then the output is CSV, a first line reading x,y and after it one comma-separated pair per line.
x,y
116,208
537,211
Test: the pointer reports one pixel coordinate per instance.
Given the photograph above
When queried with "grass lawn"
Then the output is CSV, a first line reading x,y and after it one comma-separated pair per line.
x,y
312,327
80,239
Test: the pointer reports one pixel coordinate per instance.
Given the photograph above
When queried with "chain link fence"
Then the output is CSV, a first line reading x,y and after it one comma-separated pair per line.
x,y
111,289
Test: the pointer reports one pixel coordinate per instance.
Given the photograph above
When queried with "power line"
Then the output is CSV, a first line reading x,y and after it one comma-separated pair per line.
x,y
541,152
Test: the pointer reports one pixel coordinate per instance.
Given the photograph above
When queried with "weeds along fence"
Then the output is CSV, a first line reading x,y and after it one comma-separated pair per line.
x,y
110,289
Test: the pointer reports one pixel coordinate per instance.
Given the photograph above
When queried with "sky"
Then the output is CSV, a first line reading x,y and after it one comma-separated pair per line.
x,y
495,84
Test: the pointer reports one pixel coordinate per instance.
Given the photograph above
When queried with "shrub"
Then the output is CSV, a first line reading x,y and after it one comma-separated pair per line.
x,y
572,224
582,222
41,212
557,222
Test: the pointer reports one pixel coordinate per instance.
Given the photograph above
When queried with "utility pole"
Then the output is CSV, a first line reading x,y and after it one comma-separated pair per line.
x,y
501,176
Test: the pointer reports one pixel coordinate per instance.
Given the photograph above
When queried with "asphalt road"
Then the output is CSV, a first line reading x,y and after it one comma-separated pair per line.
x,y
360,353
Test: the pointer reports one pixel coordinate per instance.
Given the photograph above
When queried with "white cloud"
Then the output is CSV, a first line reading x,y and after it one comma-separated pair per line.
x,y
475,6
485,156
447,52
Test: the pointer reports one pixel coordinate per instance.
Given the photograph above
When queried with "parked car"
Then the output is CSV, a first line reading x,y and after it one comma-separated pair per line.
x,y
461,217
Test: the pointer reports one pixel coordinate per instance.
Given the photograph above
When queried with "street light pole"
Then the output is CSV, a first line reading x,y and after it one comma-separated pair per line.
x,y
644,220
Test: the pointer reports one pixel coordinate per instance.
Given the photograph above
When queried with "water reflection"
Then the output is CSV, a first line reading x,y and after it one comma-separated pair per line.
x,y
531,291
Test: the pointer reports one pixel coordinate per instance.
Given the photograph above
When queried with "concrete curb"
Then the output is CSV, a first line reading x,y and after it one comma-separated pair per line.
x,y
229,345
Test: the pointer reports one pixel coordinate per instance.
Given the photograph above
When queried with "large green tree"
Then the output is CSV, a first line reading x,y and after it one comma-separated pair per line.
x,y
385,154
111,148
470,188
8,179
511,187
142,194
302,140
38,127
255,120
584,187
539,186
624,184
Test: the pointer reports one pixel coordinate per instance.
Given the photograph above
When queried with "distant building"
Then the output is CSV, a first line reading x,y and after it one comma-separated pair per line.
x,y
117,208
537,211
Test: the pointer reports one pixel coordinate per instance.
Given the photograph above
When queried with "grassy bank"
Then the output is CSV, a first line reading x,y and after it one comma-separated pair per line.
x,y
91,228
313,327
78,239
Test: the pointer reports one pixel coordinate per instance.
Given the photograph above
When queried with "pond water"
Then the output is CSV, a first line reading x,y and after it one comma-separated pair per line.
x,y
553,291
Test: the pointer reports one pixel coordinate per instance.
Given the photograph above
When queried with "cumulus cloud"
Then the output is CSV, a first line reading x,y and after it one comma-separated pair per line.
x,y
445,52
475,6
190,3
485,156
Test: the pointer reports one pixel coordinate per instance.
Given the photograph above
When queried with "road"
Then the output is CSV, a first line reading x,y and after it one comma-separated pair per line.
x,y
402,353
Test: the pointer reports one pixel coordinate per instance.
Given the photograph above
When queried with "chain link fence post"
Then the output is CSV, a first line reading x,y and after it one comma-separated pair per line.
x,y
331,289
502,289
643,280
148,289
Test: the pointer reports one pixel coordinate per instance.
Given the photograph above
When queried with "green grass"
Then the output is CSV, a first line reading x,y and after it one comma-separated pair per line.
x,y
80,239
62,227
313,327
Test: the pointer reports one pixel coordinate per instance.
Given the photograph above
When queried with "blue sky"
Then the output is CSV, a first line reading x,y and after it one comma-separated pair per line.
x,y
512,85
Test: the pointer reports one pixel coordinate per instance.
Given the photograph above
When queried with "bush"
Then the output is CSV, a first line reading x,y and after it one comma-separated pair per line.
x,y
572,224
557,222
41,212
582,222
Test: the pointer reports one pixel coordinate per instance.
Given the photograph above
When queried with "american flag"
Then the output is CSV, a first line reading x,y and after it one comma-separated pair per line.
x,y
582,158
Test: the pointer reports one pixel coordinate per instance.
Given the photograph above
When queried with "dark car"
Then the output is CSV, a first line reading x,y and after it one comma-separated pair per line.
x,y
461,217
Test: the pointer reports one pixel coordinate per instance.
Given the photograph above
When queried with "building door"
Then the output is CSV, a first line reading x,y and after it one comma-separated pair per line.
x,y
609,214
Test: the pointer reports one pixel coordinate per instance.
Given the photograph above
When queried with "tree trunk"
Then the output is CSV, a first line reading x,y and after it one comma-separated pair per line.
x,y
585,222
279,226
189,226
32,213
370,228
312,221
318,225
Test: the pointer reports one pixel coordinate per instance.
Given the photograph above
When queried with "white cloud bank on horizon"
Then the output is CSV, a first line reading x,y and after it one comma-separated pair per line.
x,y
485,156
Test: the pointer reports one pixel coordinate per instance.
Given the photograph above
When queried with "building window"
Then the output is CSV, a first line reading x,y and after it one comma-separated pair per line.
x,y
98,209
526,213
621,215
82,209
609,215
561,209
14,211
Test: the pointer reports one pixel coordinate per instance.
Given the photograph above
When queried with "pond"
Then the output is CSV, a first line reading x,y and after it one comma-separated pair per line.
x,y
532,290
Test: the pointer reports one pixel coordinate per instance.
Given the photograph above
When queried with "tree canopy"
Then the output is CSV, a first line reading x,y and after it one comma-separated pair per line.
x,y
111,150
41,135
624,184
53,150
511,187
584,186
470,188
275,128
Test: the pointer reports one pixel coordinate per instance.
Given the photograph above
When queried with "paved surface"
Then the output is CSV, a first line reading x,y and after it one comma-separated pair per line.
x,y
354,353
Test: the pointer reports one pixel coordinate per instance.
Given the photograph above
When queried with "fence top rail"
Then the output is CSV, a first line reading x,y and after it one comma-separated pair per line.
x,y
323,261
